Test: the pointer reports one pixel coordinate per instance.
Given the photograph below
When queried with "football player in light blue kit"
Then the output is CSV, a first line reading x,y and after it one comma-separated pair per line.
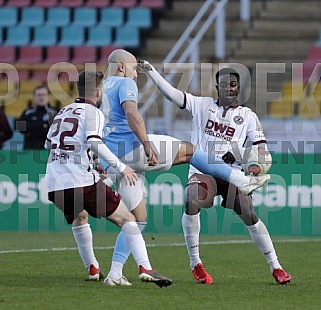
x,y
125,135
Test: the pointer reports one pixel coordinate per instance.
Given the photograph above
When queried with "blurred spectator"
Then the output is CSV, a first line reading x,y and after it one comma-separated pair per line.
x,y
35,122
5,129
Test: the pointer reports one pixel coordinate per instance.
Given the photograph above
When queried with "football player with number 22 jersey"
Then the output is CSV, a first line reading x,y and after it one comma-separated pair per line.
x,y
77,190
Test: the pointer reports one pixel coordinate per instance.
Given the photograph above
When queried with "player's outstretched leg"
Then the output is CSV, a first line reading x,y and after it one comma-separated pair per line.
x,y
136,243
217,168
262,239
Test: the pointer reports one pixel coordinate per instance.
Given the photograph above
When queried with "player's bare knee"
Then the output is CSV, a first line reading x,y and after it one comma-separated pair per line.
x,y
81,219
121,215
196,198
185,153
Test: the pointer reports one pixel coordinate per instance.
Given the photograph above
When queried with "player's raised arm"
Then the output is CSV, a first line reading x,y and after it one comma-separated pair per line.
x,y
170,92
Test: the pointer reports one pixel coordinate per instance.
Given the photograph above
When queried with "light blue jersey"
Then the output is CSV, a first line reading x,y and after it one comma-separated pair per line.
x,y
117,134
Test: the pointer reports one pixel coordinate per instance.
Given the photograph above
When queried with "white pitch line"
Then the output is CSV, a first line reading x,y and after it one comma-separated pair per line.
x,y
153,245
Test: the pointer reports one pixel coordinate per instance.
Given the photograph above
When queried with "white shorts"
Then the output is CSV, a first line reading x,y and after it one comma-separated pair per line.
x,y
165,146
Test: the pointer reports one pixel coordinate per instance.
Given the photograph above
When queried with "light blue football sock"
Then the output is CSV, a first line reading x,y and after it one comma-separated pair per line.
x,y
211,165
122,250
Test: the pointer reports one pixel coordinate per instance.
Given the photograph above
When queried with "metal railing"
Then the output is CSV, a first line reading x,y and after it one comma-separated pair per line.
x,y
191,53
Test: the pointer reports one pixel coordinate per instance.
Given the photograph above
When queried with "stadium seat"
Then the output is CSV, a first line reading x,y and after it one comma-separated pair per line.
x,y
127,36
106,51
8,17
45,3
27,87
84,17
83,54
71,3
18,3
57,54
18,36
32,17
40,75
8,54
58,17
45,36
293,90
139,17
23,75
98,3
99,36
311,68
112,17
125,3
16,108
72,36
30,55
152,4
314,53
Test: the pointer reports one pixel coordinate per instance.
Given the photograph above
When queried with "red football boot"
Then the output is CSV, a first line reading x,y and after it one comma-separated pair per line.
x,y
281,277
201,275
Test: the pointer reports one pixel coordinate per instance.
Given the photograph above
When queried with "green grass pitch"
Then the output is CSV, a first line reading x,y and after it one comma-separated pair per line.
x,y
55,279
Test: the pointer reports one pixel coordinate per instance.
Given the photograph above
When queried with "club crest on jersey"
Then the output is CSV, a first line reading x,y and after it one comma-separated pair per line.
x,y
238,120
131,93
219,130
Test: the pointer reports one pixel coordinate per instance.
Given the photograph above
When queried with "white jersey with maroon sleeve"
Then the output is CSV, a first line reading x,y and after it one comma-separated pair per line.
x,y
217,129
69,158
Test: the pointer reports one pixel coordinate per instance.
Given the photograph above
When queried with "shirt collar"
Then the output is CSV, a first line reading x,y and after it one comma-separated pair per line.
x,y
84,100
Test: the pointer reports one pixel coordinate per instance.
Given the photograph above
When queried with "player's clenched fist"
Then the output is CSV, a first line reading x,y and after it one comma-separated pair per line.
x,y
143,66
129,175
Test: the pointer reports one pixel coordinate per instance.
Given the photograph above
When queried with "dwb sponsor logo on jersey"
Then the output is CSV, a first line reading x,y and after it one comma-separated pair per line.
x,y
219,130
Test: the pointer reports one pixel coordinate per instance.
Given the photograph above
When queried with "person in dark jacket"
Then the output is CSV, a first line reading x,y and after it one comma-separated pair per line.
x,y
35,122
5,129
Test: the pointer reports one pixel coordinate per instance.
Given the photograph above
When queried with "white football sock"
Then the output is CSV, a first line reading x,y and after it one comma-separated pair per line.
x,y
116,269
238,178
191,227
262,239
136,243
121,253
84,238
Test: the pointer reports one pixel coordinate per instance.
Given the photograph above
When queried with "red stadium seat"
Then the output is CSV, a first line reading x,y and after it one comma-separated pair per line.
x,y
45,3
39,75
125,3
8,54
98,3
83,54
152,4
30,55
106,51
71,3
24,75
19,3
314,53
57,54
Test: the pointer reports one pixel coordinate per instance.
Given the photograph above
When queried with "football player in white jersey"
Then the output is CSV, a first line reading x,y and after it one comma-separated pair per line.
x,y
125,135
220,127
78,191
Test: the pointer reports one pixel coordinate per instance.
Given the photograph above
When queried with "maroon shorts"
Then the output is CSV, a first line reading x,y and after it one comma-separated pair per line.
x,y
98,200
207,187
